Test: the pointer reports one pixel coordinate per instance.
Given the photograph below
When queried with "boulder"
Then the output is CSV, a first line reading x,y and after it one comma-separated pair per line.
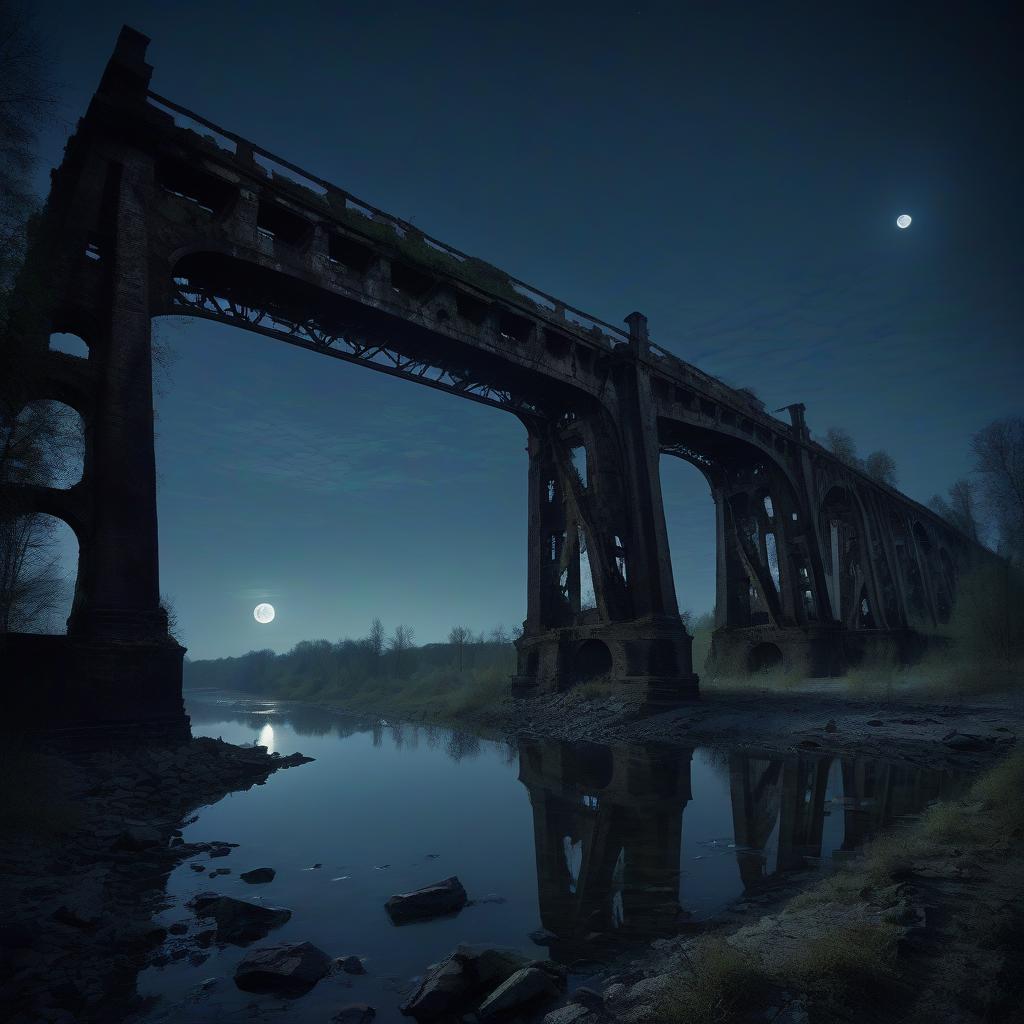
x,y
589,998
354,1013
292,968
258,875
351,965
238,922
525,988
443,897
444,988
486,968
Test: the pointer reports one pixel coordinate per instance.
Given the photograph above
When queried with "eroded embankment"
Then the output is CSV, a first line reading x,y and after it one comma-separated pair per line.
x,y
82,874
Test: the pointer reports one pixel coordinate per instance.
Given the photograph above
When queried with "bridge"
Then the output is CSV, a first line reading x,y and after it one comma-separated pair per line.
x,y
155,210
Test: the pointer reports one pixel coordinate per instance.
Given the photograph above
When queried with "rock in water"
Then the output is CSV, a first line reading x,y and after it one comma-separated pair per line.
x,y
524,988
354,1013
351,965
444,989
238,922
258,875
431,901
293,968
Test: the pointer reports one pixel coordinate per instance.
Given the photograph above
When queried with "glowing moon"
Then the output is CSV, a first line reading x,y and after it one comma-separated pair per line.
x,y
263,613
903,220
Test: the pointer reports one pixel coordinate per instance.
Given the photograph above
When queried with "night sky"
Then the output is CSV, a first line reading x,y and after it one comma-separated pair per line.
x,y
734,171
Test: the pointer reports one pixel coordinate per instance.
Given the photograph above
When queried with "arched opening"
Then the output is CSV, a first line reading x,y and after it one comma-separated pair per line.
x,y
307,481
763,657
46,447
38,570
592,660
69,344
690,525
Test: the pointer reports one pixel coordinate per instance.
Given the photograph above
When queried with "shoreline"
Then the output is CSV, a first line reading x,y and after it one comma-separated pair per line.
x,y
967,735
80,895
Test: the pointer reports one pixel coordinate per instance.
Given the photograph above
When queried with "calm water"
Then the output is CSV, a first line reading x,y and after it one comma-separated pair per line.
x,y
600,845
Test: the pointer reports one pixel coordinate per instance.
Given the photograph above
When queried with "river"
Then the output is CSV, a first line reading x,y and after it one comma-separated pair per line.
x,y
601,846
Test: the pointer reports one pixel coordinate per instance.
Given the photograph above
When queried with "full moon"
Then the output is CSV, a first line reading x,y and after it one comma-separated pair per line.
x,y
903,220
263,613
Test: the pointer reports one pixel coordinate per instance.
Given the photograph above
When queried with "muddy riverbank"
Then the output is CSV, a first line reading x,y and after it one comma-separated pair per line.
x,y
937,735
81,880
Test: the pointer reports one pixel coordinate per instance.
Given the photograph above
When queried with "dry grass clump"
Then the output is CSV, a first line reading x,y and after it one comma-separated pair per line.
x,y
596,689
842,887
721,985
847,972
730,673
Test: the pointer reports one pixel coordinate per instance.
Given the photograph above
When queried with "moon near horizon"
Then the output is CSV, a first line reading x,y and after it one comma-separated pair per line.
x,y
263,613
903,220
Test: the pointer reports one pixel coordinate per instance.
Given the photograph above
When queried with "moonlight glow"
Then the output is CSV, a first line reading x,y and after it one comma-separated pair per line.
x,y
263,613
903,220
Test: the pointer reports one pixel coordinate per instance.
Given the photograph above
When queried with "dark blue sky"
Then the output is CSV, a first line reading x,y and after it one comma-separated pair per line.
x,y
734,171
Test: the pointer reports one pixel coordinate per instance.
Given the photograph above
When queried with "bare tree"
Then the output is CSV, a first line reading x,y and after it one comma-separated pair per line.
x,y
499,635
999,460
842,446
39,448
375,639
32,585
173,625
26,97
459,636
399,643
517,632
32,441
881,466
961,508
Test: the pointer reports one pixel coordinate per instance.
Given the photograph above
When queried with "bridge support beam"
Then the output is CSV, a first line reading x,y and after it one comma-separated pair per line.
x,y
117,670
601,599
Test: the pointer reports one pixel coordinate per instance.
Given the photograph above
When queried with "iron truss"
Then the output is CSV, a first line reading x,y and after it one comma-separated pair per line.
x,y
685,452
197,300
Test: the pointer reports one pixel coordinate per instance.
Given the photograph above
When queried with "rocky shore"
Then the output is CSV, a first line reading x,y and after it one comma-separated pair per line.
x,y
79,902
968,734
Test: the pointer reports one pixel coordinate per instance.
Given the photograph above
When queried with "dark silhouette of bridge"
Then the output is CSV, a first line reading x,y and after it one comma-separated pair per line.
x,y
155,210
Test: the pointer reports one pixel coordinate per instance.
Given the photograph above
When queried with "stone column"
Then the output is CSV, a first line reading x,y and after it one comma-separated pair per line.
x,y
123,602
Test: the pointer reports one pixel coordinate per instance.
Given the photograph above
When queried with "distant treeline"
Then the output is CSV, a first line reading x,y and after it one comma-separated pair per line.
x,y
366,670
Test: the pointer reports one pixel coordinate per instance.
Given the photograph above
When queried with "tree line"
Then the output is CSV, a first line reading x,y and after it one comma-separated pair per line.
x,y
379,659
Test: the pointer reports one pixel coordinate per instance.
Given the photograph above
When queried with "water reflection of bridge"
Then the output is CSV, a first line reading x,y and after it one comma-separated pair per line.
x,y
608,827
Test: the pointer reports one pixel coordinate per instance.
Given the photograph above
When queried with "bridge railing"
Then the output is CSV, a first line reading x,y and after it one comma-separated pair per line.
x,y
239,147
281,170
